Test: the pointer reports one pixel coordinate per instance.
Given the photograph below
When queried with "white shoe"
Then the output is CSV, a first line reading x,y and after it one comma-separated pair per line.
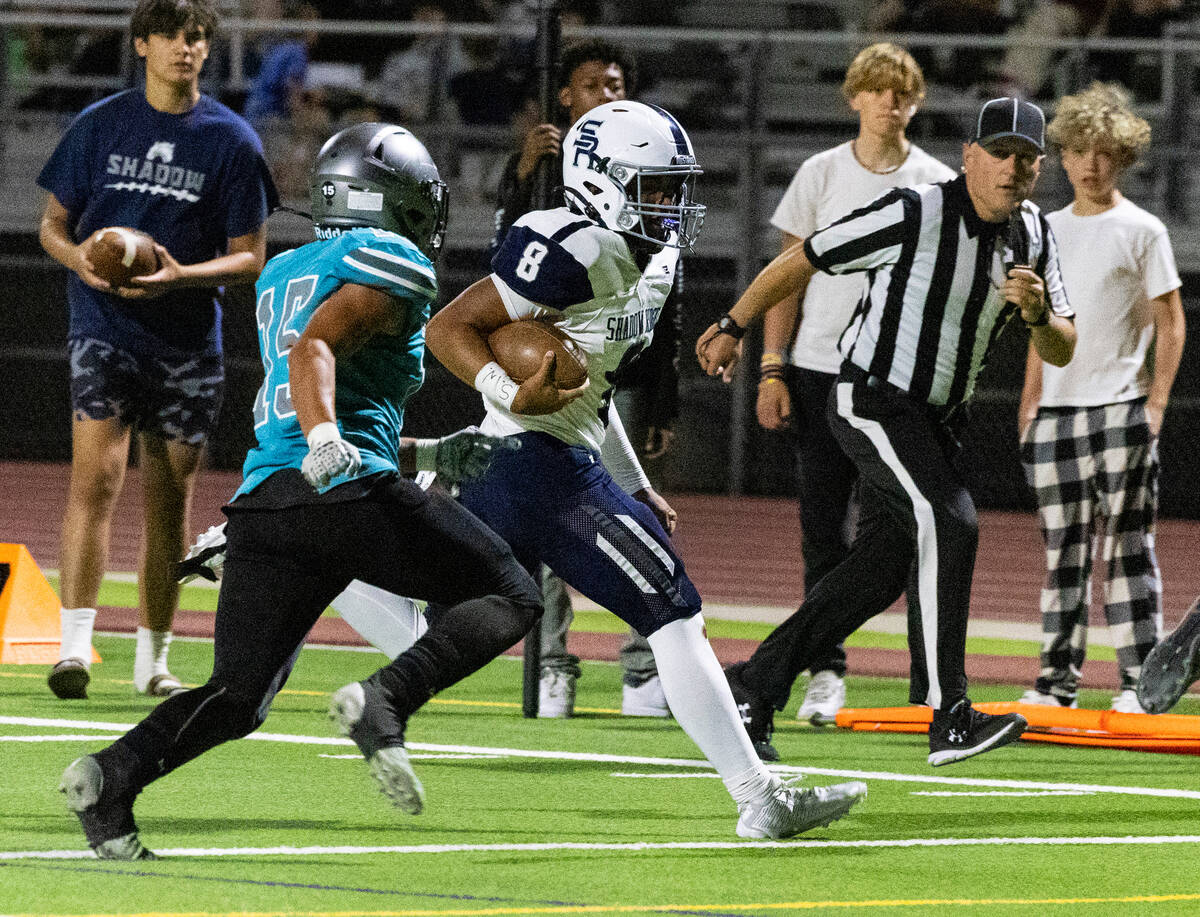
x,y
1127,702
556,695
1034,696
826,695
789,810
359,711
646,699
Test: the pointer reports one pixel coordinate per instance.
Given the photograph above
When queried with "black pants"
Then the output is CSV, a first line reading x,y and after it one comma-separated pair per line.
x,y
917,529
825,480
283,567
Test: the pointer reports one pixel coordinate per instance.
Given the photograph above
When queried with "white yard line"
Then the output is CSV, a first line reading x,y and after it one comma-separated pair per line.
x,y
700,765
1149,840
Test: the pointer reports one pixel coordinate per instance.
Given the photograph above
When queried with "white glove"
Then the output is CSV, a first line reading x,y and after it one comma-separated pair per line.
x,y
206,558
329,456
462,455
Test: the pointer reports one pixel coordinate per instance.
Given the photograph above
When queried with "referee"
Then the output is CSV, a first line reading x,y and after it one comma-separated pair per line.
x,y
948,265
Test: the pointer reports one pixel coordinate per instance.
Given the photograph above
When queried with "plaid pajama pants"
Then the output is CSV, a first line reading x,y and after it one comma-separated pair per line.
x,y
1094,471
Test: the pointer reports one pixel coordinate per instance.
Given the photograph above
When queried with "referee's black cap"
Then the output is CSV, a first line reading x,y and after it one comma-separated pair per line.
x,y
1010,117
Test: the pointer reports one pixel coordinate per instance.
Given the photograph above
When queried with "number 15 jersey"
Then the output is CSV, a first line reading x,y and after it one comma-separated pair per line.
x,y
557,266
374,382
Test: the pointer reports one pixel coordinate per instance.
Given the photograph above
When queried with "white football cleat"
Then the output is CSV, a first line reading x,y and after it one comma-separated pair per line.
x,y
788,810
826,695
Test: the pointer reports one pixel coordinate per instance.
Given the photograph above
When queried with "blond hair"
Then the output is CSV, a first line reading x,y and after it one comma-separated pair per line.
x,y
1100,116
884,66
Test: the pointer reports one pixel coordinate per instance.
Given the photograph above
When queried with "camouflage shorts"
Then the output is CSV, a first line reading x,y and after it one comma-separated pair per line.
x,y
177,400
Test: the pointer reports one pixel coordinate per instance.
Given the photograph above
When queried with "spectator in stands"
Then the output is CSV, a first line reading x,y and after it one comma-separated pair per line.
x,y
800,361
292,116
1089,430
591,73
413,80
1027,66
280,90
1137,70
179,165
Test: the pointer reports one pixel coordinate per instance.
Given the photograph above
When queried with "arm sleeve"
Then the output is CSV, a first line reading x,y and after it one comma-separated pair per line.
x,y
1159,273
796,213
249,194
619,458
539,268
868,238
65,174
391,265
1048,267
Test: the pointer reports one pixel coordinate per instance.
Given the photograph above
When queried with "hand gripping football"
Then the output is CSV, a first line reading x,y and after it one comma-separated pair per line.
x,y
118,254
520,346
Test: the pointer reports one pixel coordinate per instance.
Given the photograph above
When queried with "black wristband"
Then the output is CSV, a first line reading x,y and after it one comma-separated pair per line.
x,y
726,325
1042,320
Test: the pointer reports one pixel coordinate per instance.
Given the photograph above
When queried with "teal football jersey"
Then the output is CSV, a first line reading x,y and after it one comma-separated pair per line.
x,y
374,383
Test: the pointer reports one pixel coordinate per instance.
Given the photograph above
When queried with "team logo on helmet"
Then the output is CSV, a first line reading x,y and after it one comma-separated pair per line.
x,y
585,145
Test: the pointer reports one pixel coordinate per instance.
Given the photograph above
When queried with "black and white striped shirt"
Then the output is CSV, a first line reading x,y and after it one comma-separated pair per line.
x,y
932,305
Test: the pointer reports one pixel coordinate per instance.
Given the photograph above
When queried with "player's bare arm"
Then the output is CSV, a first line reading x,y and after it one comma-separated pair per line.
x,y
1169,337
774,405
787,275
242,263
458,337
1052,335
56,237
343,323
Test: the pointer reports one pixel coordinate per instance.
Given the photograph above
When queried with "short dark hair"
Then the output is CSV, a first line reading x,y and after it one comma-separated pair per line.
x,y
166,17
578,53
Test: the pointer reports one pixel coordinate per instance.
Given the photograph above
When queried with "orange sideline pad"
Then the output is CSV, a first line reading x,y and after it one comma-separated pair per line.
x,y
29,611
1168,733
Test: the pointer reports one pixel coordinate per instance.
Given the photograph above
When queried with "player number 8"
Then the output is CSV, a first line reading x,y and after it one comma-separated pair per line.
x,y
531,260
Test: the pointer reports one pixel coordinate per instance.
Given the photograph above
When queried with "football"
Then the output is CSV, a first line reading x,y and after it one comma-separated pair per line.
x,y
520,346
118,253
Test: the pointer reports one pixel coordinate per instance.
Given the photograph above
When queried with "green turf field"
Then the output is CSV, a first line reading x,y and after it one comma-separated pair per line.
x,y
597,815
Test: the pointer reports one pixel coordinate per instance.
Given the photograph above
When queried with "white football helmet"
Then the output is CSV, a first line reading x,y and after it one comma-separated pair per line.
x,y
618,158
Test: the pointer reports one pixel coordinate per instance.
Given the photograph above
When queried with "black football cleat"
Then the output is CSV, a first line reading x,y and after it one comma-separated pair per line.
x,y
758,715
107,822
1172,666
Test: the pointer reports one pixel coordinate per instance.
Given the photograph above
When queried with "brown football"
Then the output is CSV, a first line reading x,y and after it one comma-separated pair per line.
x,y
520,346
118,253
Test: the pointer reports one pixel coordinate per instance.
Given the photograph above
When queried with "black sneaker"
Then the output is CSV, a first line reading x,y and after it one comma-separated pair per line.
x,y
362,713
1172,665
107,822
758,716
962,732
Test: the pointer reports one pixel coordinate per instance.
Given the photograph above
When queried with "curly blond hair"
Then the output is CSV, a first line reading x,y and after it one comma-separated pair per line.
x,y
1101,116
884,66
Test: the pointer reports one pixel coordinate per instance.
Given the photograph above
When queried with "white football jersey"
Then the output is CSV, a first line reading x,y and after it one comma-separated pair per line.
x,y
559,266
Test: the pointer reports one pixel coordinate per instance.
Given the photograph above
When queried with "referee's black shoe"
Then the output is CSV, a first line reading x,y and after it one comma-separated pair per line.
x,y
758,716
962,732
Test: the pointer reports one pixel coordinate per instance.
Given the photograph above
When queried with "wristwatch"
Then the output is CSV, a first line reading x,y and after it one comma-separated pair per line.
x,y
726,325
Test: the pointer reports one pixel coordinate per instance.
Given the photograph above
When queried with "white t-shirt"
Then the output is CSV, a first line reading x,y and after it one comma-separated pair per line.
x,y
558,266
1113,264
825,188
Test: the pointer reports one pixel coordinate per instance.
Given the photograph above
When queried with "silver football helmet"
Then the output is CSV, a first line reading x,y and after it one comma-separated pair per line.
x,y
631,168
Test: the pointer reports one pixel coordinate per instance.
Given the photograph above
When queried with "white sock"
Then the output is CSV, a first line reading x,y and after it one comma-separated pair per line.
x,y
76,635
699,697
150,657
391,623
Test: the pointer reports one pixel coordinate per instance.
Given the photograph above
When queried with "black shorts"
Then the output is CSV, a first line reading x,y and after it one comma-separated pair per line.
x,y
177,399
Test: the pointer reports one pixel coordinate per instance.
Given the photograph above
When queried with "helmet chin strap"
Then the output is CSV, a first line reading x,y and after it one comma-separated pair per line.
x,y
578,202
